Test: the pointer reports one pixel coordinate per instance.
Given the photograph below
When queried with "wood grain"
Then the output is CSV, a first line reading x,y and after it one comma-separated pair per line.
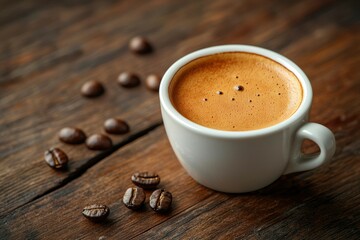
x,y
49,49
112,179
46,98
324,201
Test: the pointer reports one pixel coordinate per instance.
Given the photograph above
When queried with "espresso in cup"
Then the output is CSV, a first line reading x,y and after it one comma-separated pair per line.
x,y
235,91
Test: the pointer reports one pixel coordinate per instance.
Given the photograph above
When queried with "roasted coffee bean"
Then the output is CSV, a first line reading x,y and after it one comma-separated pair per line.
x,y
153,82
96,212
116,126
140,45
128,80
134,198
56,158
239,88
72,135
160,200
98,142
147,180
92,89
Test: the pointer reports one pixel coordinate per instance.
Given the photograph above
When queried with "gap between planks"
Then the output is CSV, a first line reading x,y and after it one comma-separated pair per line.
x,y
92,162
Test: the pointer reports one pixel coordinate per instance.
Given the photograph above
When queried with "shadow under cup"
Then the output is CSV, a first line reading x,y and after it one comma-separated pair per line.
x,y
243,161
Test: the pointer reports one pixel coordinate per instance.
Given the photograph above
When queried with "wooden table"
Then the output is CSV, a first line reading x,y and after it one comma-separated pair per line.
x,y
48,49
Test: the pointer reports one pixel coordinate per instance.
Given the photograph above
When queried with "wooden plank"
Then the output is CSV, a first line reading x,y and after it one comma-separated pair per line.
x,y
47,97
325,193
297,207
45,65
112,179
320,204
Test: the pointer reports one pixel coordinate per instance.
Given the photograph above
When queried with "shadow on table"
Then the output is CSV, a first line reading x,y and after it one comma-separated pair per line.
x,y
307,210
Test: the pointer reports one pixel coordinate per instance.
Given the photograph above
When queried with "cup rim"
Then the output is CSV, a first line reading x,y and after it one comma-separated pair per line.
x,y
174,114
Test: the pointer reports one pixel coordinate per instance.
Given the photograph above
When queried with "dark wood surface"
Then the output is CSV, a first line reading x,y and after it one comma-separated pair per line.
x,y
48,49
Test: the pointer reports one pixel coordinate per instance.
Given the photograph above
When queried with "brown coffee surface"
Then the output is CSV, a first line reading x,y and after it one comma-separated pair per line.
x,y
235,91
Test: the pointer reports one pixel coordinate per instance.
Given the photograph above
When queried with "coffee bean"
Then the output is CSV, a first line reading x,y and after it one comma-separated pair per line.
x,y
116,126
98,142
56,158
96,212
239,88
92,89
140,45
219,92
134,198
160,200
147,180
72,135
128,80
153,82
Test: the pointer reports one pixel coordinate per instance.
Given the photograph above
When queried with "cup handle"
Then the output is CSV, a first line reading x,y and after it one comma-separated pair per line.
x,y
322,136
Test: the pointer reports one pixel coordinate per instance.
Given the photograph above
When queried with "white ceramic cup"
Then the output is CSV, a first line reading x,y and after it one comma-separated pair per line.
x,y
243,161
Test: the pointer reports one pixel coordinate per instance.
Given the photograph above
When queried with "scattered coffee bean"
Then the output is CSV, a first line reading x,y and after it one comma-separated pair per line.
x,y
134,198
160,200
96,212
92,89
72,135
219,92
153,82
140,45
116,126
128,80
56,158
147,180
98,142
239,88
